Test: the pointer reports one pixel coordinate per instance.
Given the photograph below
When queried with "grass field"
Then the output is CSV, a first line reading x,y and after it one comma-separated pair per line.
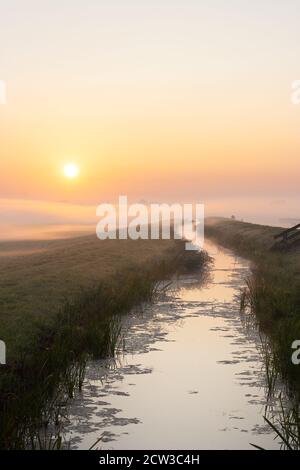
x,y
60,304
43,275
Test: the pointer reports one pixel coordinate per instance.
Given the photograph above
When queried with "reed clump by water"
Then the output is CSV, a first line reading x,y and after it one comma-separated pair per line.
x,y
50,365
270,301
272,291
282,409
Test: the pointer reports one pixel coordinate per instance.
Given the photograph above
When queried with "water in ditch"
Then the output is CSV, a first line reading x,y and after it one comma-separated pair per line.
x,y
189,374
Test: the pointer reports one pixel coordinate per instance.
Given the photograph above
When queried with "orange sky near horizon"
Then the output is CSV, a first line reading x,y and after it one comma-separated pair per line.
x,y
178,101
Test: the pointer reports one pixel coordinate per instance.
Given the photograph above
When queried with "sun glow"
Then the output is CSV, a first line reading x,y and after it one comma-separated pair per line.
x,y
71,170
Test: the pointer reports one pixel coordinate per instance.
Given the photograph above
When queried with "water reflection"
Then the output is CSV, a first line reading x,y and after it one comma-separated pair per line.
x,y
189,374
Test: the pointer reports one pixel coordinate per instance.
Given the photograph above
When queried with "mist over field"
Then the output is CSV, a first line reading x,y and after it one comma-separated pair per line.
x,y
128,318
29,218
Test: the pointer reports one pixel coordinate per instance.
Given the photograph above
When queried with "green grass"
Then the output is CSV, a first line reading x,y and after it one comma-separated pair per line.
x,y
33,287
271,301
273,289
60,307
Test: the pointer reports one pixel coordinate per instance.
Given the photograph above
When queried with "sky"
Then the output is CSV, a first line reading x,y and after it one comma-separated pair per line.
x,y
176,101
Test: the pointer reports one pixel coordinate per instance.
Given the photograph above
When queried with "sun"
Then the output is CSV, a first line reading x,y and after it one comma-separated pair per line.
x,y
71,170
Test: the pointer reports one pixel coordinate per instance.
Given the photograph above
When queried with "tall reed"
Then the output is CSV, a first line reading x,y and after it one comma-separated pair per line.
x,y
36,388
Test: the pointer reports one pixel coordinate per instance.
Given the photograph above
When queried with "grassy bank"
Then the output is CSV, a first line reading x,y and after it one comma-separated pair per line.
x,y
33,287
61,305
273,289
